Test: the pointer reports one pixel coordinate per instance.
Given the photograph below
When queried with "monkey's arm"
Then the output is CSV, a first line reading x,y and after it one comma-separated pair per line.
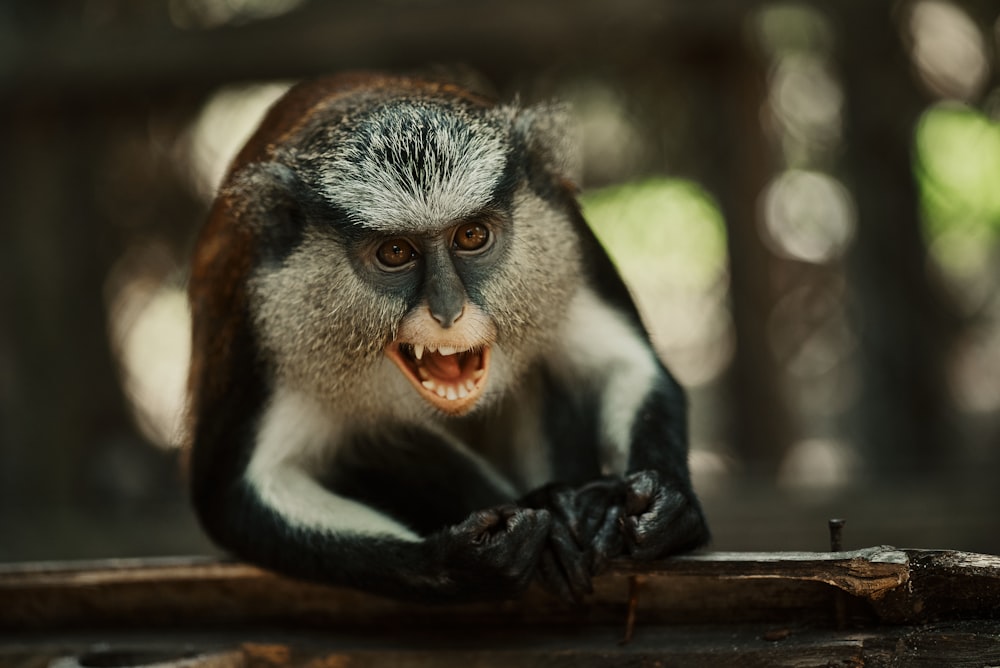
x,y
490,554
643,504
651,498
662,515
270,506
647,511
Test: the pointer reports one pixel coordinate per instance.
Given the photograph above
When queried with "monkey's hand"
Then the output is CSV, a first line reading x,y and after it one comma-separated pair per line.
x,y
660,518
493,553
585,533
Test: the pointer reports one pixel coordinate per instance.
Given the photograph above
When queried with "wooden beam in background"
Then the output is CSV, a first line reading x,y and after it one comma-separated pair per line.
x,y
497,38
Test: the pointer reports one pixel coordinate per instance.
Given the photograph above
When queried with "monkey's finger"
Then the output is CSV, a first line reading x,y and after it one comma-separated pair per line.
x,y
640,491
654,522
596,518
673,524
490,523
608,541
552,578
572,560
560,500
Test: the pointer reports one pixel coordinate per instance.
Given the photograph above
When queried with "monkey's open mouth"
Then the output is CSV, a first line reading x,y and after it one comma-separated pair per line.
x,y
449,379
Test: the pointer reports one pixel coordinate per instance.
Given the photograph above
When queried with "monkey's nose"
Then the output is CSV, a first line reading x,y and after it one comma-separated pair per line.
x,y
447,318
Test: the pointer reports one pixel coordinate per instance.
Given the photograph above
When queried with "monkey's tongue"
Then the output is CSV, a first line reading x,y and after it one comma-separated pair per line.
x,y
443,367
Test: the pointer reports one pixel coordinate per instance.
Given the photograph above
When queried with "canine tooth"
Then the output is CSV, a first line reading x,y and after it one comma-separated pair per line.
x,y
447,350
418,350
462,392
470,385
424,374
478,373
451,394
441,392
429,384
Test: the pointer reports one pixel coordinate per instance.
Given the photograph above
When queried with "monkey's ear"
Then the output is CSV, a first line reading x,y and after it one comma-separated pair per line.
x,y
550,133
273,204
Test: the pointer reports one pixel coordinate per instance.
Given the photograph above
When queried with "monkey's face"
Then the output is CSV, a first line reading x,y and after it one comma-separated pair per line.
x,y
426,257
443,345
484,300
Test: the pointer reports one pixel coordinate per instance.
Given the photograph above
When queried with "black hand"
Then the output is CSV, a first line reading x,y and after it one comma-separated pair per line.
x,y
585,534
660,518
493,553
599,506
564,566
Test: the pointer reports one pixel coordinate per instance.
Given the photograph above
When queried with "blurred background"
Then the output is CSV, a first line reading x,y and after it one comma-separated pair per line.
x,y
804,197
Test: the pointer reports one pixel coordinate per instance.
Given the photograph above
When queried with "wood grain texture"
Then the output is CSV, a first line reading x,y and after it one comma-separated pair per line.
x,y
881,583
880,606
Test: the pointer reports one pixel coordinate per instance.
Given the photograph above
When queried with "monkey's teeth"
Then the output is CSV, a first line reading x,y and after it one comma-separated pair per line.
x,y
450,392
452,380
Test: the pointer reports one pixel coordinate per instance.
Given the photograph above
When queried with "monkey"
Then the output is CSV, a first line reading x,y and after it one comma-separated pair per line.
x,y
415,371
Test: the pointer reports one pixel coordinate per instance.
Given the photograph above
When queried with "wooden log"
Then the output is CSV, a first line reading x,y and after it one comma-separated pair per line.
x,y
875,607
881,584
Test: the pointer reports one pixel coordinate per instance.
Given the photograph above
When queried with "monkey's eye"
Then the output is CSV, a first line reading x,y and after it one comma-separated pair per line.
x,y
396,253
470,237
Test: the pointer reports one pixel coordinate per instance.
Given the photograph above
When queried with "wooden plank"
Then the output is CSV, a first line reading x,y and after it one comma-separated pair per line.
x,y
711,609
863,586
944,585
869,573
953,644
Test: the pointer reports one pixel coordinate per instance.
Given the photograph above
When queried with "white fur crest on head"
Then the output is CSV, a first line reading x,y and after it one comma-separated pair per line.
x,y
418,163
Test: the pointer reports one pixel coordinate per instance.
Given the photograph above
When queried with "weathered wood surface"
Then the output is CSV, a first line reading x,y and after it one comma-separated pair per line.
x,y
875,607
721,587
945,645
